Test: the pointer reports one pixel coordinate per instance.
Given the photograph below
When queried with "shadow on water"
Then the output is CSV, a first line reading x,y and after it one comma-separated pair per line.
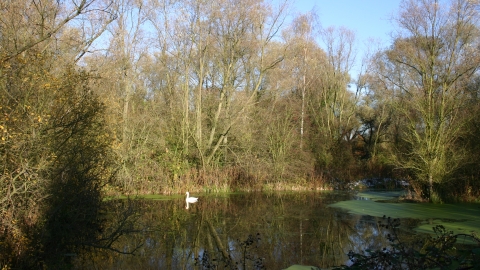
x,y
285,229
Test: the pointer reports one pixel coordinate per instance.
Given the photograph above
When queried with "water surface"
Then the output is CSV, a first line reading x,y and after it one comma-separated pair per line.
x,y
284,229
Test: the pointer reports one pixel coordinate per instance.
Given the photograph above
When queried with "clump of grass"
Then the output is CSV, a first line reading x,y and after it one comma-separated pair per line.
x,y
317,183
219,179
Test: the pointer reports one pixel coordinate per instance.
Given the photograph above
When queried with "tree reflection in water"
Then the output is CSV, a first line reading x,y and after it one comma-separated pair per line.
x,y
293,228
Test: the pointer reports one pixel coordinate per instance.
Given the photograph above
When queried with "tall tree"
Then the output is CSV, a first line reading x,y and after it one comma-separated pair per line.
x,y
118,63
49,117
331,104
301,38
243,35
427,68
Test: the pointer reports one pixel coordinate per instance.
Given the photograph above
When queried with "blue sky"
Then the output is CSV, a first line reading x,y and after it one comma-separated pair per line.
x,y
368,18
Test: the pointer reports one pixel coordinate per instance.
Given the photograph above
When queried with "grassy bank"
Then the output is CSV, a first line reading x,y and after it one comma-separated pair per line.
x,y
225,180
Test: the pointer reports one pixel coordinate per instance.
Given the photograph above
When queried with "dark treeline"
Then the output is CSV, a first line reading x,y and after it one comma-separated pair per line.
x,y
154,96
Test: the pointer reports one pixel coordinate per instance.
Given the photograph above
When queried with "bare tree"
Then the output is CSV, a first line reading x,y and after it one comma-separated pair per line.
x,y
28,24
331,104
301,38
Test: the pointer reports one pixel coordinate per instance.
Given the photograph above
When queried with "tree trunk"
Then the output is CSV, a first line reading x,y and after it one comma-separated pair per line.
x,y
430,187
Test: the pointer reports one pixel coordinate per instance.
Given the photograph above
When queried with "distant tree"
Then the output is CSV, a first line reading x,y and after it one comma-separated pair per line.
x,y
332,105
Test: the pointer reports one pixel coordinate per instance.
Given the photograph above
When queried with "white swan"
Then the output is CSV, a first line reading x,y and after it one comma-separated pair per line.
x,y
190,199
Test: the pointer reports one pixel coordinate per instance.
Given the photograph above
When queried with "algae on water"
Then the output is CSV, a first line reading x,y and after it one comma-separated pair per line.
x,y
459,218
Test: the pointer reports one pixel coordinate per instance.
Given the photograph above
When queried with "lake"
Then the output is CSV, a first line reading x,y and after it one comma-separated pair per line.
x,y
275,230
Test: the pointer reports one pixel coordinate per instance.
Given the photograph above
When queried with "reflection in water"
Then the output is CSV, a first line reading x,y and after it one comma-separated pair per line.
x,y
285,229
187,206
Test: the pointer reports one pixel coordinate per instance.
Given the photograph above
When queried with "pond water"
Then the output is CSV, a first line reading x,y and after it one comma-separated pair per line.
x,y
276,229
